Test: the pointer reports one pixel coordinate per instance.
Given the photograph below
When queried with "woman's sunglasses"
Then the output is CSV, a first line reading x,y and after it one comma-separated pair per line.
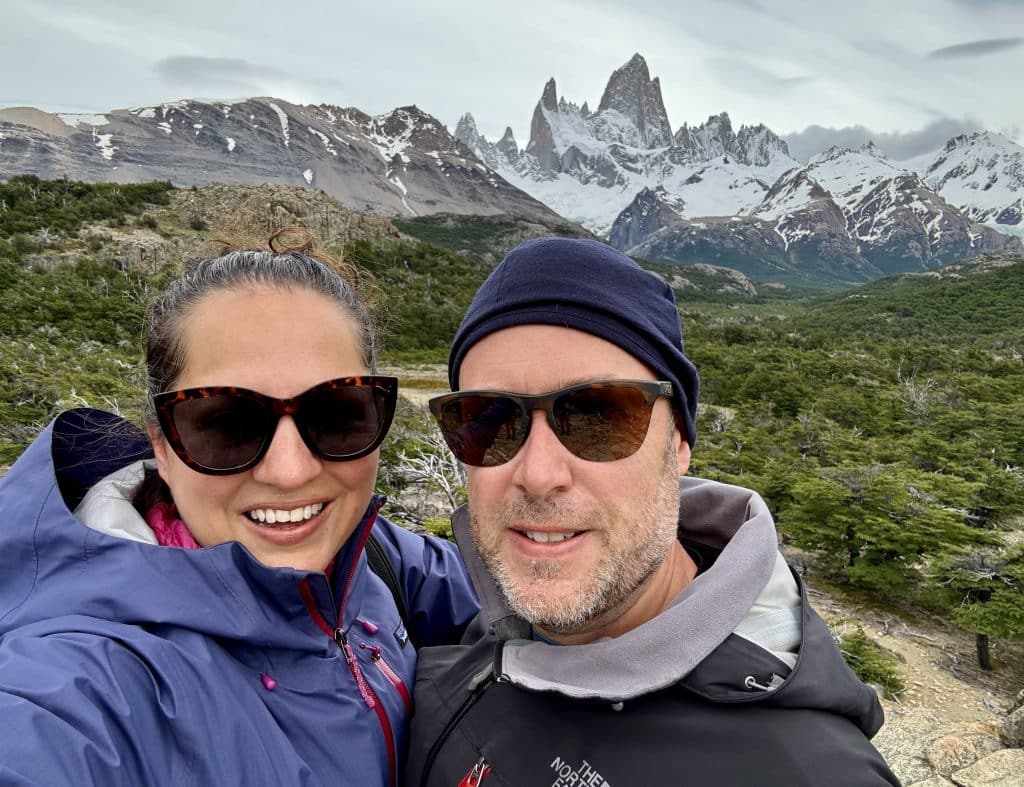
x,y
599,422
219,430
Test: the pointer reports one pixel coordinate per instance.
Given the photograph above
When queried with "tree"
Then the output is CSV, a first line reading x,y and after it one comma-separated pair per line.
x,y
988,586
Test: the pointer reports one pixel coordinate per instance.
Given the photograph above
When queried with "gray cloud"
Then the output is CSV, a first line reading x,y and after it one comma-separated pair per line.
x,y
975,48
223,71
897,145
744,76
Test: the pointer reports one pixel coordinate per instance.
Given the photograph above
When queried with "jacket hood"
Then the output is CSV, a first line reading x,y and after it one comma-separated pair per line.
x,y
720,516
55,566
693,642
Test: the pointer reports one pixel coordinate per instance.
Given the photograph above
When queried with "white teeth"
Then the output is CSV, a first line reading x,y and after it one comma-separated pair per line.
x,y
272,516
547,538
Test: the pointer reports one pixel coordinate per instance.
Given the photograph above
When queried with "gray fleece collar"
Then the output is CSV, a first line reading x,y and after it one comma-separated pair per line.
x,y
665,649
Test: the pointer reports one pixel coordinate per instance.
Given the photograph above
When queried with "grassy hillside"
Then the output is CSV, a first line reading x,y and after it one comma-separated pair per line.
x,y
962,304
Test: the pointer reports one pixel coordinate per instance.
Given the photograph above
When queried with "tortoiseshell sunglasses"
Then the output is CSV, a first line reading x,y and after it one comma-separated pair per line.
x,y
219,430
600,421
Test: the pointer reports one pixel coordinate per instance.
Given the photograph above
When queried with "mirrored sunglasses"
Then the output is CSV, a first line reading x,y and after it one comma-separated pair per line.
x,y
599,422
219,430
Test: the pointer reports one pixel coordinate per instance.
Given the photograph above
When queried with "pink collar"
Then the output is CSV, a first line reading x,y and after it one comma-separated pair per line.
x,y
167,526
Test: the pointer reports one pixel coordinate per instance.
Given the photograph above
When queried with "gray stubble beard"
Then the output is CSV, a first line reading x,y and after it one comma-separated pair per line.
x,y
616,578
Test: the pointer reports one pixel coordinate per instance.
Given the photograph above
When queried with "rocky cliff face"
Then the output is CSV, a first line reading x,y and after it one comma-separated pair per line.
x,y
402,163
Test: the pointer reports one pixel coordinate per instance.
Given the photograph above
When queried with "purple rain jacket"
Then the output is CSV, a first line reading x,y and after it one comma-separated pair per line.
x,y
128,663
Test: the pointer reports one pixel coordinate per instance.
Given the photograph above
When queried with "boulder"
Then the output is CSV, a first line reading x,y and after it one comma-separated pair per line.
x,y
1004,768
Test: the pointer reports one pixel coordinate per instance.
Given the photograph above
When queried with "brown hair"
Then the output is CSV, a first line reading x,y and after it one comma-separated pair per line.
x,y
289,264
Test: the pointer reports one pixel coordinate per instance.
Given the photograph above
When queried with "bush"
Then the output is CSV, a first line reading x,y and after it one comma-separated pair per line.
x,y
439,526
872,663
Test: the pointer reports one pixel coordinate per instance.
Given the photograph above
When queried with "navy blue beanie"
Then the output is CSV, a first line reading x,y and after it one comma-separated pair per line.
x,y
591,287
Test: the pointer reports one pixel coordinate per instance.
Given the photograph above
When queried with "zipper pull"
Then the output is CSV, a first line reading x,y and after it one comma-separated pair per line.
x,y
374,650
353,666
476,774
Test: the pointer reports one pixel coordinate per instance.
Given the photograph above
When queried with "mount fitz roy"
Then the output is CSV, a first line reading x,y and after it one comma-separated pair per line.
x,y
711,194
704,193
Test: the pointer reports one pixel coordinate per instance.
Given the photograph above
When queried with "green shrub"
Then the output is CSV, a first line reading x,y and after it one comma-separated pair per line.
x,y
872,663
439,526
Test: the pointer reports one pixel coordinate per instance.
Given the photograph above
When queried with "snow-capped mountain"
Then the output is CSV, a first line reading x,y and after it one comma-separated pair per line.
x,y
709,193
588,166
983,174
845,215
403,163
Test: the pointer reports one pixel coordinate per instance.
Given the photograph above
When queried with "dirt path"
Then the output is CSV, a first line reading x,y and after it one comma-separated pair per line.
x,y
939,664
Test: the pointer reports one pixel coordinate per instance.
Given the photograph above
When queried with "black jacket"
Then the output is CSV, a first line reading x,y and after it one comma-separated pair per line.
x,y
733,715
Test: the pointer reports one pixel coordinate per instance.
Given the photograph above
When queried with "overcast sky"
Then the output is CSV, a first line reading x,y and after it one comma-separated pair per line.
x,y
908,72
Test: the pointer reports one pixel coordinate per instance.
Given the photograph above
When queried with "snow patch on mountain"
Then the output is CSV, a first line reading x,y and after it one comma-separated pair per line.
x,y
78,119
283,117
103,142
325,139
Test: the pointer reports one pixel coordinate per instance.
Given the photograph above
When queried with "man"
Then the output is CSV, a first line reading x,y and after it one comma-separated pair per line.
x,y
639,627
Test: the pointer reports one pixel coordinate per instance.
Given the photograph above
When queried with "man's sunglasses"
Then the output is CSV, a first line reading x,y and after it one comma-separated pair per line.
x,y
219,430
599,422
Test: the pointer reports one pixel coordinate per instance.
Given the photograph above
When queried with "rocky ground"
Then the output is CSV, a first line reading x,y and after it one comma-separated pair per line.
x,y
953,724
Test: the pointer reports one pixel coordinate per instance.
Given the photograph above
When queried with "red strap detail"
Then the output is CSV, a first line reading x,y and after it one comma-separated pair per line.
x,y
476,774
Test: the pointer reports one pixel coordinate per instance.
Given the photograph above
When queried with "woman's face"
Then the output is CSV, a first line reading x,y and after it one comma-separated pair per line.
x,y
278,343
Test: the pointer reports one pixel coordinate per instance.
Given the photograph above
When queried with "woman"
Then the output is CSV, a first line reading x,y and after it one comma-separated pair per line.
x,y
193,606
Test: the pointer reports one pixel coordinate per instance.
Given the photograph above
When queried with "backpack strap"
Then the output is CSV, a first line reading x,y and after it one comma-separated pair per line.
x,y
381,566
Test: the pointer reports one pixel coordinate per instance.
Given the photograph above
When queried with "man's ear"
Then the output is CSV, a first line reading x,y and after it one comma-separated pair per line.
x,y
683,453
160,450
682,447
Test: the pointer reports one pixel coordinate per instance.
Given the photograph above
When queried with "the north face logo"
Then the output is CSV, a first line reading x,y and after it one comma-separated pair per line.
x,y
582,775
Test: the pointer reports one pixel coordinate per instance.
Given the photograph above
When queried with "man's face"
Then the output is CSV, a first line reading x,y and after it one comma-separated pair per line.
x,y
574,545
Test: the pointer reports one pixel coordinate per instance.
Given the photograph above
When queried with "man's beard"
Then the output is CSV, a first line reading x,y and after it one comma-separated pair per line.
x,y
634,541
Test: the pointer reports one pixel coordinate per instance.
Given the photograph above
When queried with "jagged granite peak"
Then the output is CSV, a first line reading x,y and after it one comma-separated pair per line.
x,y
542,140
507,145
404,162
549,98
755,145
759,145
495,155
712,138
465,130
632,93
585,110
